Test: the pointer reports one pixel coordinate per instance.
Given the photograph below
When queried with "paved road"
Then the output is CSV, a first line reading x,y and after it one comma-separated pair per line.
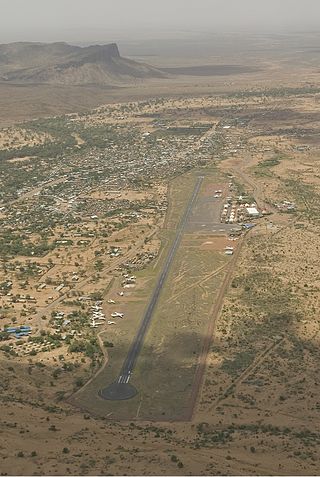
x,y
130,361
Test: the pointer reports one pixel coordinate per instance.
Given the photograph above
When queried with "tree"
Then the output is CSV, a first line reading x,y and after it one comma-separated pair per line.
x,y
79,382
108,344
99,265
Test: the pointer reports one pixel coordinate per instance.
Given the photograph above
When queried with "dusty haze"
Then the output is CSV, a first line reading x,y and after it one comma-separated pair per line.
x,y
83,20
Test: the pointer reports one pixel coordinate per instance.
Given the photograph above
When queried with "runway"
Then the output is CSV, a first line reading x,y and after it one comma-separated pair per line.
x,y
115,391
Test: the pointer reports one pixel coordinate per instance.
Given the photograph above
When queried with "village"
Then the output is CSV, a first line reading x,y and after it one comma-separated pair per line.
x,y
98,210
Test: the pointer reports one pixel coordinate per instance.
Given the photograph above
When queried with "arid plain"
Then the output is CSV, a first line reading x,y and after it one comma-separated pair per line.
x,y
228,374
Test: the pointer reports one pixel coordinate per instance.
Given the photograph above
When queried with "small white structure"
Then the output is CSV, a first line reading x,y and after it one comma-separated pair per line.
x,y
253,212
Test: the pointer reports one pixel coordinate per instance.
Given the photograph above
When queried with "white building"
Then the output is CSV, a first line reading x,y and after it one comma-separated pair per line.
x,y
253,212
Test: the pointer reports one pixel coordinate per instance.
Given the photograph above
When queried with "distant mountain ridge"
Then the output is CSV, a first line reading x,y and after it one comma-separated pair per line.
x,y
61,63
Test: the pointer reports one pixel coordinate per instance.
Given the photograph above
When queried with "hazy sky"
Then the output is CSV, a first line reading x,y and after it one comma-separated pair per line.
x,y
82,19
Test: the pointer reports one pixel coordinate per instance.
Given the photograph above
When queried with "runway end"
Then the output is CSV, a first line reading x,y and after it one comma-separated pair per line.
x,y
118,392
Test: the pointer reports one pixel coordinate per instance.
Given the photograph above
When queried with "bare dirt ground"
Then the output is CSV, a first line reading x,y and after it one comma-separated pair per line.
x,y
11,138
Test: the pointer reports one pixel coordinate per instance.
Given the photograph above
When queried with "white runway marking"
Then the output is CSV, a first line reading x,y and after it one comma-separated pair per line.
x,y
124,379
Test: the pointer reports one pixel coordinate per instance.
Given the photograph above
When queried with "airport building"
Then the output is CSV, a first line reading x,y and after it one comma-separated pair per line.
x,y
253,212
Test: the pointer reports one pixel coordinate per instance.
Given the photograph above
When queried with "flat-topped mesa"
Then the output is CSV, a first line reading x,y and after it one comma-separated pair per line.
x,y
102,53
112,49
63,64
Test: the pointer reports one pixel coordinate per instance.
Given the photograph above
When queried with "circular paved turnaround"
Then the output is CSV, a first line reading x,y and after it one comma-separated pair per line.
x,y
118,392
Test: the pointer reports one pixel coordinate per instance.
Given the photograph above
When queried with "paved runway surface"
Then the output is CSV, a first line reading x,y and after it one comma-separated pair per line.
x,y
119,390
205,217
215,228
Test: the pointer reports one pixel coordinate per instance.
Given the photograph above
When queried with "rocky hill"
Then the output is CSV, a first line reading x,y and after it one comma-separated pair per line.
x,y
63,64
